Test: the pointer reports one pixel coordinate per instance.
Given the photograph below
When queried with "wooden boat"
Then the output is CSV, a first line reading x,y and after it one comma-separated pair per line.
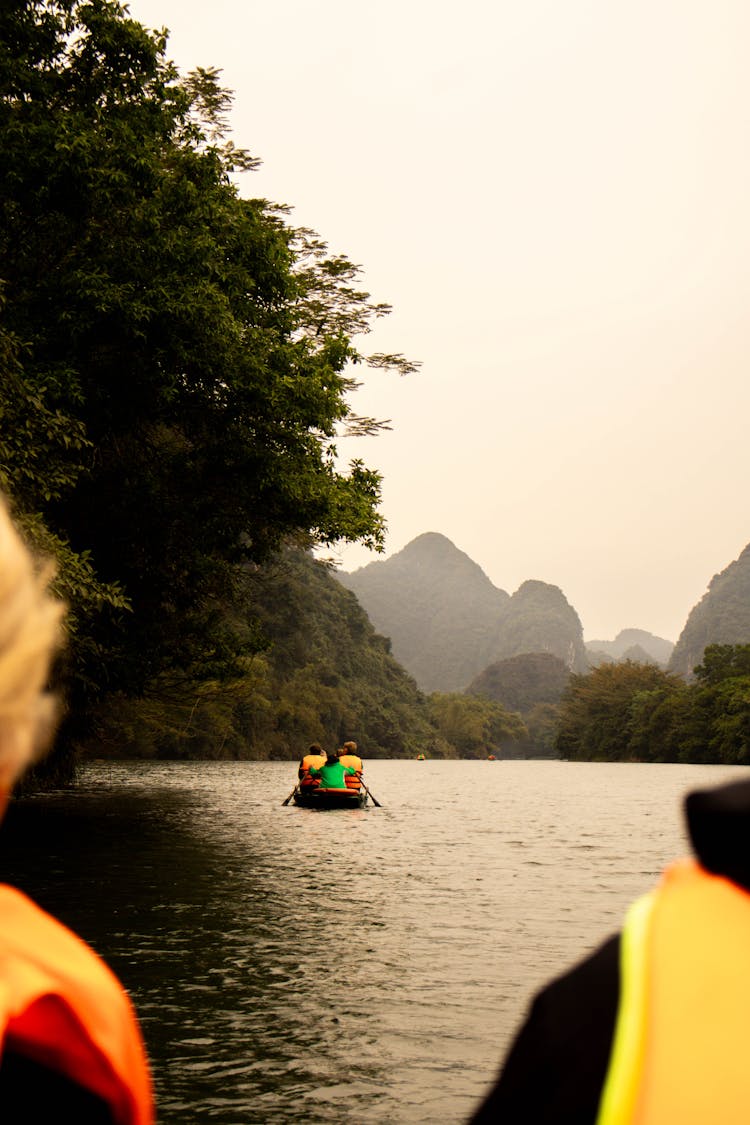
x,y
311,797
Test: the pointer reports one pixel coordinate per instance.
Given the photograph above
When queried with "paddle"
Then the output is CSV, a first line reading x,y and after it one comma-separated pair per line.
x,y
377,804
286,802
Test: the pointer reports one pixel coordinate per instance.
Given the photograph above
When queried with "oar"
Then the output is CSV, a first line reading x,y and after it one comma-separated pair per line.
x,y
286,802
377,804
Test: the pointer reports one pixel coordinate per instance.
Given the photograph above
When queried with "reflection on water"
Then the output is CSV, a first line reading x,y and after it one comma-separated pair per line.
x,y
370,965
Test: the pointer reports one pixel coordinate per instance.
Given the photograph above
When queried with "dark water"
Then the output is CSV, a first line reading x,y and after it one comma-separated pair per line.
x,y
291,965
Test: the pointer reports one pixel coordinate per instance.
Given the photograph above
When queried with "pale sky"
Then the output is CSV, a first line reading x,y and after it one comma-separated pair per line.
x,y
554,195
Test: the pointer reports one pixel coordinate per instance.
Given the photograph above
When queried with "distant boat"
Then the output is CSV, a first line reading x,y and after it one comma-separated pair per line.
x,y
491,758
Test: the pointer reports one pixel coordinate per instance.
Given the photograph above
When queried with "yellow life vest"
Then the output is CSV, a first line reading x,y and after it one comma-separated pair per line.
x,y
309,760
679,1053
61,1006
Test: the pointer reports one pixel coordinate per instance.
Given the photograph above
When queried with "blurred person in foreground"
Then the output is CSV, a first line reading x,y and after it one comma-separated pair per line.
x,y
653,1027
70,1046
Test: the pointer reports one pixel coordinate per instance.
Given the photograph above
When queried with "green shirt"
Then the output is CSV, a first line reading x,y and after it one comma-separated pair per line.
x,y
332,775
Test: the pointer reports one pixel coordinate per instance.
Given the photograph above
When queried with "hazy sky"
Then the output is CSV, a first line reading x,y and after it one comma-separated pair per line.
x,y
554,195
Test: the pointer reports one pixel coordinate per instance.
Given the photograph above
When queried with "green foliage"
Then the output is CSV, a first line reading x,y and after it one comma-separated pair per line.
x,y
475,726
723,662
542,722
636,712
597,710
325,676
175,360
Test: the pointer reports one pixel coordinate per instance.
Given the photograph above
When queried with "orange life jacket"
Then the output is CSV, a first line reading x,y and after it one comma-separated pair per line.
x,y
355,763
309,760
680,1046
61,1006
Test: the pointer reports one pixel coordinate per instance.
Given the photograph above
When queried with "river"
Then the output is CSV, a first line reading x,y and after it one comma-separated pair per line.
x,y
291,965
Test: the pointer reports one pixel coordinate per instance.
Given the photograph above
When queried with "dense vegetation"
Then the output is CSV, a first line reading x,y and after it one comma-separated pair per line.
x,y
475,726
176,359
324,675
637,712
531,684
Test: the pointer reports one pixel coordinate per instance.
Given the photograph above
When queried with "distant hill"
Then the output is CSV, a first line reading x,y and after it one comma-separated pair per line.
x,y
722,616
521,682
657,648
447,621
439,608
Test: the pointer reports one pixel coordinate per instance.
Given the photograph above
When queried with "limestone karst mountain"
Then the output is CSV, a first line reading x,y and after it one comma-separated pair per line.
x,y
722,616
631,644
448,622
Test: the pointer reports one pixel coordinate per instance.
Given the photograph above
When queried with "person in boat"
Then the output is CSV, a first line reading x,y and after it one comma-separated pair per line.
x,y
333,774
652,1026
70,1046
350,758
315,756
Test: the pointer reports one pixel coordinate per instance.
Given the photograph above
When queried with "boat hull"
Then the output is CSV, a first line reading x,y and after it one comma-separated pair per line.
x,y
320,798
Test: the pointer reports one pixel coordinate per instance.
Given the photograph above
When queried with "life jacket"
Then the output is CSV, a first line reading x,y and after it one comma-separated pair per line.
x,y
679,1052
355,763
316,760
61,1007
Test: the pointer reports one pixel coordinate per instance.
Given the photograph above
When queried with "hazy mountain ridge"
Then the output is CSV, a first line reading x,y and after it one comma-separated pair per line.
x,y
448,622
631,644
722,616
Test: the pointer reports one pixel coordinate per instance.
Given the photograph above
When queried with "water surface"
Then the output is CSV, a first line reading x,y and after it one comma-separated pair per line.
x,y
293,965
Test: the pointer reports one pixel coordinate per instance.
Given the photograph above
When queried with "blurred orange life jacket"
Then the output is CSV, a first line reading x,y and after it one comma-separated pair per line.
x,y
61,1007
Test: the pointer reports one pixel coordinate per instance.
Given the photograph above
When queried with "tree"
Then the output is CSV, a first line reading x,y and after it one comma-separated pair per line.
x,y
474,725
176,358
723,662
597,710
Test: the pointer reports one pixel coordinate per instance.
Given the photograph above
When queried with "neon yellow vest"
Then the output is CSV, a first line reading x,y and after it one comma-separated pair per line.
x,y
681,1049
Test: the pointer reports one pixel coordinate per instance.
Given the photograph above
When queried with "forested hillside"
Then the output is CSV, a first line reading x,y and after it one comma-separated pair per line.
x,y
325,676
520,682
531,684
722,616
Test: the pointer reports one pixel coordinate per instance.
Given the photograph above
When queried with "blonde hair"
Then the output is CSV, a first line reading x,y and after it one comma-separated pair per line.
x,y
30,632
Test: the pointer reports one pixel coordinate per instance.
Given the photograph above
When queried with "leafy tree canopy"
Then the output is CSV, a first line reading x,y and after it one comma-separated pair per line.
x,y
723,662
475,726
637,712
176,359
596,710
